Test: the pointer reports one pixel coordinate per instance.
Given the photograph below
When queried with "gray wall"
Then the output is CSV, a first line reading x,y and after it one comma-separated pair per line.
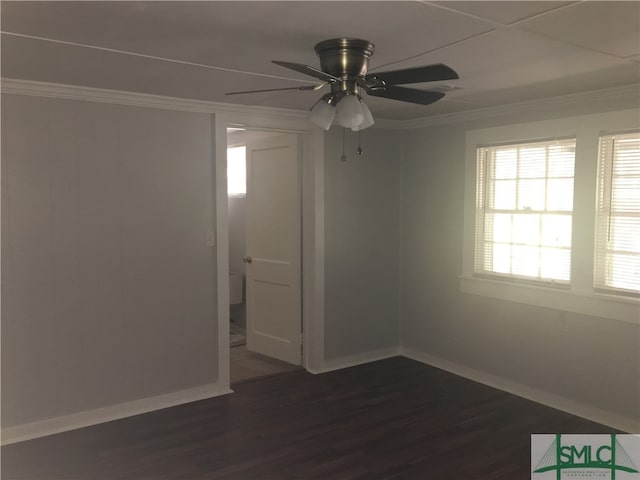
x,y
362,228
596,362
108,292
107,286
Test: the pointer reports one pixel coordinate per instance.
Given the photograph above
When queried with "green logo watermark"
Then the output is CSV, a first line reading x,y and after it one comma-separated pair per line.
x,y
584,456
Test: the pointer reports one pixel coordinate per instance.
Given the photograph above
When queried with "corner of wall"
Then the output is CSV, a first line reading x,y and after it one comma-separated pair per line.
x,y
548,399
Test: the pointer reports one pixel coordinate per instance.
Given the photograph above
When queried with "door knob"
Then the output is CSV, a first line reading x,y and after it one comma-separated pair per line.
x,y
247,259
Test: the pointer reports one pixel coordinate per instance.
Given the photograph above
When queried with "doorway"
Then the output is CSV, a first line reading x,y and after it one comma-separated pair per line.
x,y
264,226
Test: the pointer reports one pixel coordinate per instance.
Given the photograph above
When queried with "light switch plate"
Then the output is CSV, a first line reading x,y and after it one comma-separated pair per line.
x,y
210,238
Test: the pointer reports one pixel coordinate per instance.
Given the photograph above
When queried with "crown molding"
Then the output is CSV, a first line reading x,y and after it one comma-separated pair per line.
x,y
15,86
630,94
75,92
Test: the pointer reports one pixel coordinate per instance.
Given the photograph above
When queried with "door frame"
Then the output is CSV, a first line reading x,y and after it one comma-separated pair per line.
x,y
312,208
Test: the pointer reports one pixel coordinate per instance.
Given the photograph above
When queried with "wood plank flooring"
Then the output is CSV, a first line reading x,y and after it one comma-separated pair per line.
x,y
393,419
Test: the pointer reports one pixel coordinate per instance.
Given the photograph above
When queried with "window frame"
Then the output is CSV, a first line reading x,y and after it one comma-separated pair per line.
x,y
483,208
605,189
579,296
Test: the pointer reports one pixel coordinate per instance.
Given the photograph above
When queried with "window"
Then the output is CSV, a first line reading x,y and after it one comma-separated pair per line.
x,y
617,256
546,224
236,171
524,203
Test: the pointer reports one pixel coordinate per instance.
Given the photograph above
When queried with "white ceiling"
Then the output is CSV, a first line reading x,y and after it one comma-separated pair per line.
x,y
504,52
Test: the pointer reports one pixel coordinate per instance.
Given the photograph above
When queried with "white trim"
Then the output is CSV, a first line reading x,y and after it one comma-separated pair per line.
x,y
313,249
626,96
75,92
88,418
312,229
13,86
357,359
564,404
624,309
221,266
136,407
580,297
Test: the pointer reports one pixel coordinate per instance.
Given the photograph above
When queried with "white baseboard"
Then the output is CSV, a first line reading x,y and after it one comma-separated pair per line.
x,y
357,359
588,412
65,423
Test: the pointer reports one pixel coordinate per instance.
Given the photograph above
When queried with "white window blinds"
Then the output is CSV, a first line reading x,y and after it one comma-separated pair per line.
x,y
524,205
617,256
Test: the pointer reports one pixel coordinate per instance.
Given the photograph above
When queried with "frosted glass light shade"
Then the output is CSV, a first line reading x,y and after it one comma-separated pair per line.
x,y
349,111
322,114
367,120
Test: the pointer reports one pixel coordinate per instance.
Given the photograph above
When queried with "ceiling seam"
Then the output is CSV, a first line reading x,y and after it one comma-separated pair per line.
x,y
441,47
517,25
150,57
496,26
562,7
495,23
577,45
542,14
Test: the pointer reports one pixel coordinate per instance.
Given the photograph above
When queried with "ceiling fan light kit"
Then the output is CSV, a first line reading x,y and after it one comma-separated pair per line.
x,y
346,59
349,111
323,112
344,63
368,117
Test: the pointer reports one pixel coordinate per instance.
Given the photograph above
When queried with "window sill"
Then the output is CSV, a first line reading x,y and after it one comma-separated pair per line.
x,y
615,307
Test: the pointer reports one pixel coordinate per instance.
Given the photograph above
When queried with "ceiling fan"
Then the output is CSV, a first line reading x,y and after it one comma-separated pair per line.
x,y
343,66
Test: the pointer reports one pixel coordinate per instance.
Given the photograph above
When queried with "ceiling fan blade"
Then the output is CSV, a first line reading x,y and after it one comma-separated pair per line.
x,y
427,73
411,95
307,70
305,87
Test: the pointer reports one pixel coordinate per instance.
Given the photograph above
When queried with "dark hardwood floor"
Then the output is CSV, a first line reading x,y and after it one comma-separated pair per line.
x,y
393,419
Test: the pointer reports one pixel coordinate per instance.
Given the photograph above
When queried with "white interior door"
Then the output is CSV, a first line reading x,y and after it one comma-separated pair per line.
x,y
273,276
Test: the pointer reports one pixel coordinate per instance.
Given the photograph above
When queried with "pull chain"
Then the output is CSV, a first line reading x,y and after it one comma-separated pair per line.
x,y
359,151
343,158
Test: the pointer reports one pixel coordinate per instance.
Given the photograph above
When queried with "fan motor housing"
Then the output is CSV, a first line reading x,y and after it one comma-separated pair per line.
x,y
345,57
